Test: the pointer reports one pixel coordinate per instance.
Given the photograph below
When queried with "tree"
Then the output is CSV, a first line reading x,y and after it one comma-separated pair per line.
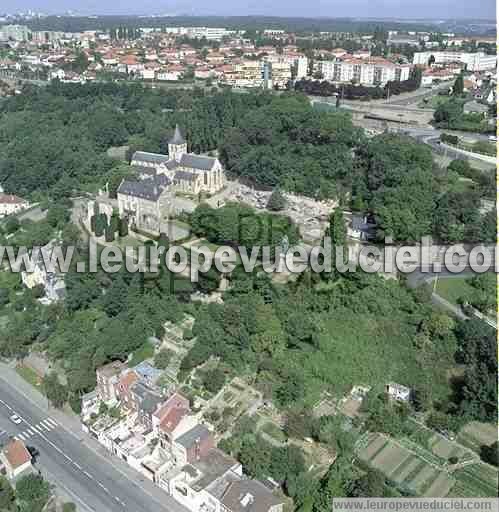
x,y
57,216
109,234
458,88
7,497
163,358
214,380
490,454
11,225
69,507
277,201
123,227
370,484
55,391
4,297
32,493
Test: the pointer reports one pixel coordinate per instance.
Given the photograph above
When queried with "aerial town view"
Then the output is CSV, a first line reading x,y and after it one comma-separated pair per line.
x,y
247,256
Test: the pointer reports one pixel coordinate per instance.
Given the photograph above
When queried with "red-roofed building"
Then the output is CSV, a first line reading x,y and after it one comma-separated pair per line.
x,y
15,458
10,203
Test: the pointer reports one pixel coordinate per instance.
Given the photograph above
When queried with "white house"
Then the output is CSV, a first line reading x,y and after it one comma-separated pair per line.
x,y
398,392
10,203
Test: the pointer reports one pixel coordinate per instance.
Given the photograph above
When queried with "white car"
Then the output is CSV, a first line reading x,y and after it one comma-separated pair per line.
x,y
16,419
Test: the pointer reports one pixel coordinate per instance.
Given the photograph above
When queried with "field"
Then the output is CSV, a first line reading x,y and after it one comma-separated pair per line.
x,y
477,480
421,464
475,434
272,430
405,468
452,289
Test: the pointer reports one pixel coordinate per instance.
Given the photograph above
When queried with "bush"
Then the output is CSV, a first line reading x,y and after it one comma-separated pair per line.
x,y
449,139
109,234
162,358
12,224
123,227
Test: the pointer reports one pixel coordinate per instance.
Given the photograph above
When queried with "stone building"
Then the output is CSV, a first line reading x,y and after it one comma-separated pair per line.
x,y
147,200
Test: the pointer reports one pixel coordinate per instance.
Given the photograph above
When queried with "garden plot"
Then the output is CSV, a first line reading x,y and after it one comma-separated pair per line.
x,y
476,434
404,467
441,486
477,480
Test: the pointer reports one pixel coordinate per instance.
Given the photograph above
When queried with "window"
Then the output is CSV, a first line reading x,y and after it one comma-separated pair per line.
x,y
206,178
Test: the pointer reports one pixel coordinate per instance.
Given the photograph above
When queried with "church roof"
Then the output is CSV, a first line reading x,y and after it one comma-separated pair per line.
x,y
204,163
177,137
149,189
154,158
185,176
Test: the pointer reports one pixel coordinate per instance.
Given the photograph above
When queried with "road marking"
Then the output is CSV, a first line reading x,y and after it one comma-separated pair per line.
x,y
102,487
32,432
37,429
52,422
87,474
41,424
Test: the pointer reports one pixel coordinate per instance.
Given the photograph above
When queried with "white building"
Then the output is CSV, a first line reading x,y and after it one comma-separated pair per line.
x,y
398,392
45,273
15,32
301,67
10,203
373,71
478,61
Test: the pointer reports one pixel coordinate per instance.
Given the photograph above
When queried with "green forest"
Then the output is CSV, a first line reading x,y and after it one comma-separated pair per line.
x,y
270,141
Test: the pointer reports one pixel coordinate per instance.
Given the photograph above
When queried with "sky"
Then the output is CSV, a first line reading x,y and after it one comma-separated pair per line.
x,y
431,9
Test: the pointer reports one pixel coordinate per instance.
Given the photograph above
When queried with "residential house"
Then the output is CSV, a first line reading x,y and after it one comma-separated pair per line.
x,y
250,495
398,392
145,402
108,377
15,458
43,271
10,203
193,444
125,383
90,403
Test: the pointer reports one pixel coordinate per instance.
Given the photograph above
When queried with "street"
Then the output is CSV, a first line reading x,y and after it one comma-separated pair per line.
x,y
91,480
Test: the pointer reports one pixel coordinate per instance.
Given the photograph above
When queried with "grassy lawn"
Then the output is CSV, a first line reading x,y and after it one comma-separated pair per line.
x,y
274,431
29,376
9,280
434,102
451,289
146,351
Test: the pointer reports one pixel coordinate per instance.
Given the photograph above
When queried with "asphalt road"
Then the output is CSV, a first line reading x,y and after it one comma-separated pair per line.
x,y
93,483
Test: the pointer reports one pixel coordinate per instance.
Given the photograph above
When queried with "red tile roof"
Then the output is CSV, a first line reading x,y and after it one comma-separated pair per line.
x,y
11,199
16,454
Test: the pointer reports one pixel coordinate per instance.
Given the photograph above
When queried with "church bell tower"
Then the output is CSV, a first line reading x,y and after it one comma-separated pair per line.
x,y
177,145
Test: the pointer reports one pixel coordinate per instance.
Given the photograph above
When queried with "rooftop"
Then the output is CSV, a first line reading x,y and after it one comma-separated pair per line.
x,y
177,137
245,495
16,454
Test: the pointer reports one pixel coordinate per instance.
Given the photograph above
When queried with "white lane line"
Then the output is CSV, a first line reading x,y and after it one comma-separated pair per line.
x,y
77,466
103,488
88,475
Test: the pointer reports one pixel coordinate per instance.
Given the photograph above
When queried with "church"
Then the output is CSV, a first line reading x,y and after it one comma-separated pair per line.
x,y
148,199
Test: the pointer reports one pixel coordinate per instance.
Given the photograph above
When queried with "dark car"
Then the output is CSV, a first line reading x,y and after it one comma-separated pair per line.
x,y
33,452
